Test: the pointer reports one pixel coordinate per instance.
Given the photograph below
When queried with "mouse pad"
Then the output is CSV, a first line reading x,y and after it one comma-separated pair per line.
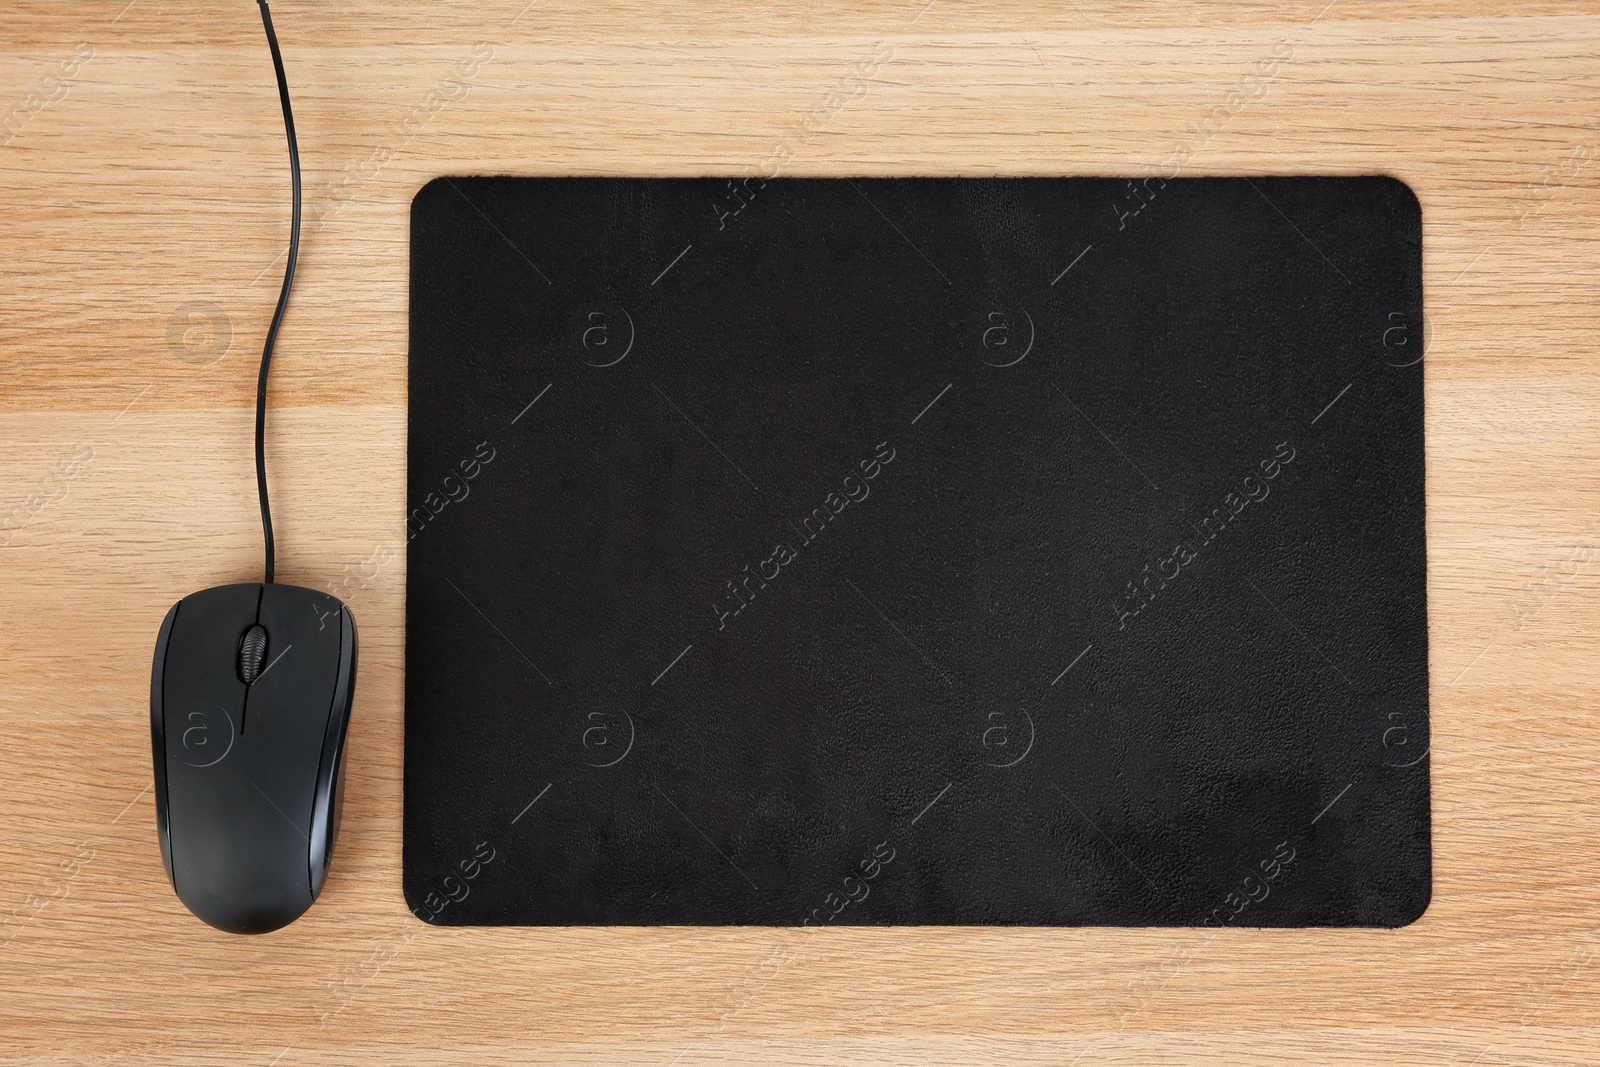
x,y
935,551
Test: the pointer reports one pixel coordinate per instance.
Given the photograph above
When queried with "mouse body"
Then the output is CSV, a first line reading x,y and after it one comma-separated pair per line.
x,y
250,696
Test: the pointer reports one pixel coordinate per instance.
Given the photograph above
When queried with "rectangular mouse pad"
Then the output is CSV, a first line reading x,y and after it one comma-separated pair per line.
x,y
931,551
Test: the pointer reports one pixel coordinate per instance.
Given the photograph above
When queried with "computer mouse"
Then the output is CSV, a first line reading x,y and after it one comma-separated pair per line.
x,y
249,706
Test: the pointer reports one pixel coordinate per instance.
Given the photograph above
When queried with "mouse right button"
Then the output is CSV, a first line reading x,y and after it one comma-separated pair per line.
x,y
288,709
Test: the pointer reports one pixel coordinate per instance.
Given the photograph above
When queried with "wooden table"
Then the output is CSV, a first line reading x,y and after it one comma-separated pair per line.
x,y
145,211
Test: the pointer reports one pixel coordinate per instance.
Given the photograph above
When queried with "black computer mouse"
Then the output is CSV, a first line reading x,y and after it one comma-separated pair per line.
x,y
249,705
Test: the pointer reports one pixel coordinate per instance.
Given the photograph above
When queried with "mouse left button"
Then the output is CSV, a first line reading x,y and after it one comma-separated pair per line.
x,y
201,710
202,696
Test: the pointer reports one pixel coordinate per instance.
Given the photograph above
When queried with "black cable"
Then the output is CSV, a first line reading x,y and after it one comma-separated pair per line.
x,y
283,297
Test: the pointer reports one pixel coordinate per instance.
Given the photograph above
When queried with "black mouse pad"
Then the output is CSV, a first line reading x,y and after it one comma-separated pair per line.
x,y
978,551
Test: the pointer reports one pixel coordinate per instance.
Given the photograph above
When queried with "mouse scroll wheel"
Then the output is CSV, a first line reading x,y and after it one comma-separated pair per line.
x,y
252,653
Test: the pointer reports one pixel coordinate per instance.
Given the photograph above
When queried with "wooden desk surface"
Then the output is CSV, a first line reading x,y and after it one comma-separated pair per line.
x,y
145,209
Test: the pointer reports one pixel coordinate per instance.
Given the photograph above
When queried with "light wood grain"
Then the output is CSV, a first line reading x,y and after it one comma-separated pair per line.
x,y
157,177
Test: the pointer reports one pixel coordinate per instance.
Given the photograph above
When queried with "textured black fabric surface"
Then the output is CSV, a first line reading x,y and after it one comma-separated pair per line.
x,y
995,551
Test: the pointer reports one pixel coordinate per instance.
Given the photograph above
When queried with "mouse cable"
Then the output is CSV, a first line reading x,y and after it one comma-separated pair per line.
x,y
283,297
